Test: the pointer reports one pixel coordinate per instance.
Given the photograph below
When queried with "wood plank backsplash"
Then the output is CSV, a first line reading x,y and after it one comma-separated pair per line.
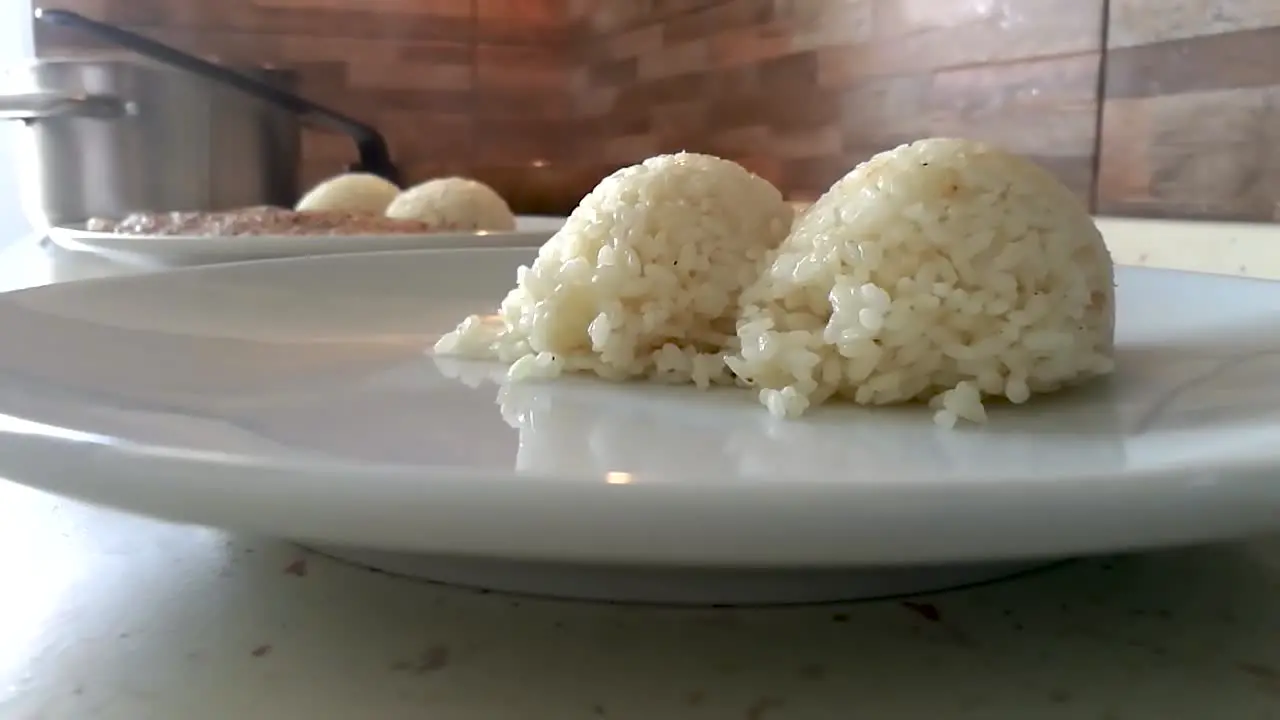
x,y
1191,116
543,97
801,90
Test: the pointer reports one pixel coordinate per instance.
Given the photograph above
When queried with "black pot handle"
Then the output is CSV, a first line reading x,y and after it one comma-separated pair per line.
x,y
375,158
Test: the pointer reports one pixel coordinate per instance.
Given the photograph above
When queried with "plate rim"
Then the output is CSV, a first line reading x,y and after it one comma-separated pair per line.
x,y
688,509
300,465
1251,484
77,233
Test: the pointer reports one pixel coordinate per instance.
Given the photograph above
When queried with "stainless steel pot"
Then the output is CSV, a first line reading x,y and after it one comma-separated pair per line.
x,y
107,136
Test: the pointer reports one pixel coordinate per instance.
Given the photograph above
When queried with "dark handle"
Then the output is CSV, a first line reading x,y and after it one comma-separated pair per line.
x,y
375,158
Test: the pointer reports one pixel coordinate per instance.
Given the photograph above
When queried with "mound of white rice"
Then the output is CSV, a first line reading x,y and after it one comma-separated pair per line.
x,y
643,279
351,192
454,203
943,270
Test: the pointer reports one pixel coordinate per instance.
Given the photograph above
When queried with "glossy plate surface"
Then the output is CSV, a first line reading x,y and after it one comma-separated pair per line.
x,y
294,398
531,231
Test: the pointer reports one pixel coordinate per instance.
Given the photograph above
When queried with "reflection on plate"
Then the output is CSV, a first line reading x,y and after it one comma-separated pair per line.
x,y
575,426
531,231
295,398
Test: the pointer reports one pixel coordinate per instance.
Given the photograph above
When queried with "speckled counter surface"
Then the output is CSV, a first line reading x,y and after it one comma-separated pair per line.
x,y
108,616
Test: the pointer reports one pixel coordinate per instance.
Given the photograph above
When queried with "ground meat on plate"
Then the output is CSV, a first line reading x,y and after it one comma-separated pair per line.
x,y
258,221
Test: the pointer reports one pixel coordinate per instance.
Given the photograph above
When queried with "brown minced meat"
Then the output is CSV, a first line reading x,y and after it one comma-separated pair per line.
x,y
258,221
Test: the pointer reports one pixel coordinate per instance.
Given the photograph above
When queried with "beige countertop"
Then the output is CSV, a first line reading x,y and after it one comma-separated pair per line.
x,y
1247,249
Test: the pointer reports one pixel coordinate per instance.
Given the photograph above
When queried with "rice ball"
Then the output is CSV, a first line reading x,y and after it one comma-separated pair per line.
x,y
943,270
642,280
351,192
454,203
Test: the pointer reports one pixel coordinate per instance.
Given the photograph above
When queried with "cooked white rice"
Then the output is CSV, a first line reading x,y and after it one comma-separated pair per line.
x,y
351,192
454,203
643,279
944,270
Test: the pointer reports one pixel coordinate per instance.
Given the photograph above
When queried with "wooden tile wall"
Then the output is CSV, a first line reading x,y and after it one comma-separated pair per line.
x,y
1191,119
543,97
802,90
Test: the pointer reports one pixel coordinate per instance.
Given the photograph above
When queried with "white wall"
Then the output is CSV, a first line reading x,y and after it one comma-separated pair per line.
x,y
15,45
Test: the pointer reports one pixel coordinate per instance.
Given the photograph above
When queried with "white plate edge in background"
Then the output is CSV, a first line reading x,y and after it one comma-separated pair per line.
x,y
188,249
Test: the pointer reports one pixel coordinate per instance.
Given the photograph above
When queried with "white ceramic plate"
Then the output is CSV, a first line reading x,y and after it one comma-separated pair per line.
x,y
172,250
293,398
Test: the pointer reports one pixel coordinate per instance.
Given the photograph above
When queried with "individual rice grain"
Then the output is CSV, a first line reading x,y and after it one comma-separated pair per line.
x,y
642,280
943,270
350,192
454,203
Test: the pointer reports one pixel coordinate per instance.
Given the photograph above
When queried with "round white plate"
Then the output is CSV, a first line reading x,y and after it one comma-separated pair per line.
x,y
172,250
294,398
